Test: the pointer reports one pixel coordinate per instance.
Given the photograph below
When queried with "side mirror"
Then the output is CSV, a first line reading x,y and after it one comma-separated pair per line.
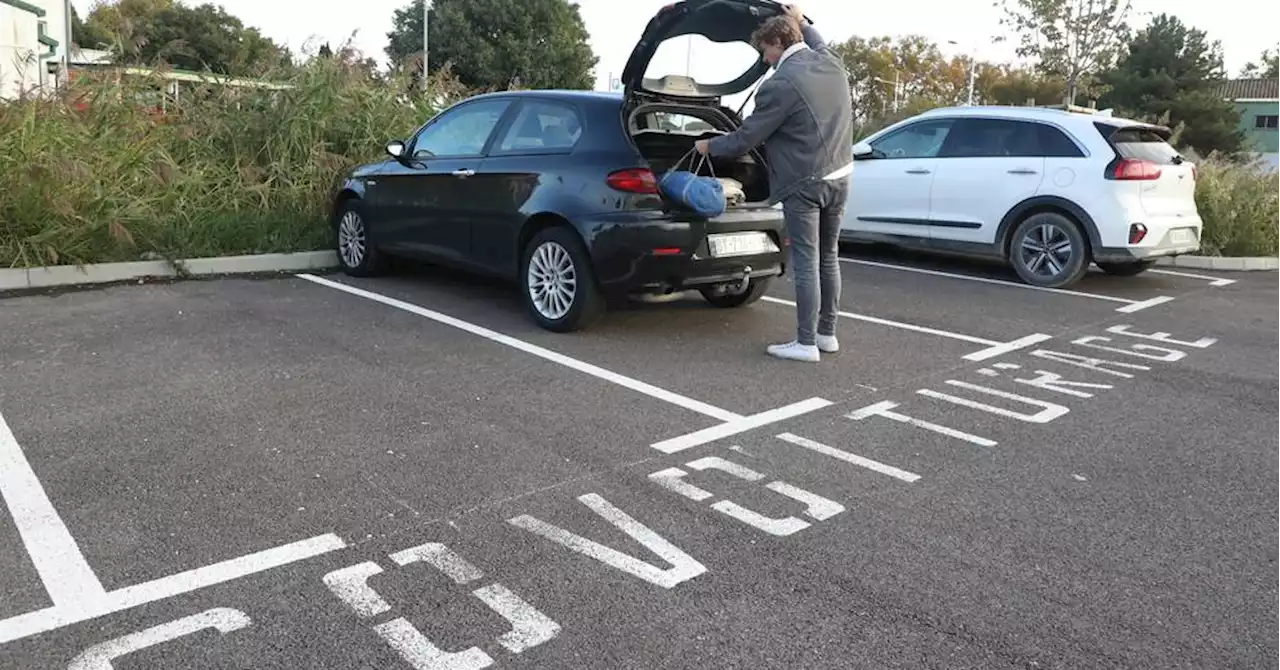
x,y
396,149
862,150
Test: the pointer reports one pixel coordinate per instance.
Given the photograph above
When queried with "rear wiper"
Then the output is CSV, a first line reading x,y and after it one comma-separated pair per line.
x,y
1178,160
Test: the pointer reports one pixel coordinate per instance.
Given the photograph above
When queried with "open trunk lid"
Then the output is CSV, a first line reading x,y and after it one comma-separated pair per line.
x,y
1166,181
716,20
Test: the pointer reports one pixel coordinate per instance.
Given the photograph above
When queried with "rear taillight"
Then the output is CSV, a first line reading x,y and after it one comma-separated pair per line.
x,y
1133,169
1137,233
635,180
1194,174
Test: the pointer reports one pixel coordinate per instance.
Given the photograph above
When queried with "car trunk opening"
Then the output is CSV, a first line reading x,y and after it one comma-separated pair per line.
x,y
665,133
718,21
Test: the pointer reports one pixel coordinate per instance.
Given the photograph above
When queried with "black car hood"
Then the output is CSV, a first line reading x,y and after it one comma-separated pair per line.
x,y
717,21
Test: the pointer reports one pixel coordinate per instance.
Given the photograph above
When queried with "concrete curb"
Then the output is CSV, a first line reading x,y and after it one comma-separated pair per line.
x,y
1246,263
105,273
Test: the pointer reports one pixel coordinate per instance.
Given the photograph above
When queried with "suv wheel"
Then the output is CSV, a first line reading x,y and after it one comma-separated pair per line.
x,y
756,289
356,255
1049,250
1127,269
559,287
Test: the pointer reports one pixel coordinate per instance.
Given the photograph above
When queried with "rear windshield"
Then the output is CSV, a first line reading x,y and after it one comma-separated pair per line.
x,y
1139,143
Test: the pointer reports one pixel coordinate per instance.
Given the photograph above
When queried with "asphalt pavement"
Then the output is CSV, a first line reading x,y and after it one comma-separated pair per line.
x,y
325,472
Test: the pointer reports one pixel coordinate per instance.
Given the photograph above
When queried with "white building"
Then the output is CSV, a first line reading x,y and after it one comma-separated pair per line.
x,y
35,40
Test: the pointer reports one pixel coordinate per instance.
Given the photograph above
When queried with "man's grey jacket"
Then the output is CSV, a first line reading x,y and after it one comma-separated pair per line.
x,y
803,116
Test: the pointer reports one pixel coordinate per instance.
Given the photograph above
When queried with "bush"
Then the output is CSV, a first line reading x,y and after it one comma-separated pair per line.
x,y
93,176
1240,208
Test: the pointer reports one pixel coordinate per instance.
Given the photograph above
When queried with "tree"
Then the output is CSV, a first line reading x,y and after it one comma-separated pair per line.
x,y
1009,85
1171,71
191,38
1267,67
1071,39
87,37
891,77
498,44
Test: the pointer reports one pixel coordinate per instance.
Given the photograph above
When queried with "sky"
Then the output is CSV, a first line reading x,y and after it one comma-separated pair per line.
x,y
1245,28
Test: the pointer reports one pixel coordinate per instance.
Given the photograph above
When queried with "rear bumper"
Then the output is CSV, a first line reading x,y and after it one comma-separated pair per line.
x,y
1170,236
660,252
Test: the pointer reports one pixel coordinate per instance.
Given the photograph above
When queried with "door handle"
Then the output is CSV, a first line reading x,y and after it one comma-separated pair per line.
x,y
1023,171
464,173
917,171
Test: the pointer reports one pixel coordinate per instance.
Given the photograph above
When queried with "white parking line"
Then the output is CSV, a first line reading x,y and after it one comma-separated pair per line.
x,y
572,363
1139,306
898,324
57,558
1002,349
1130,306
847,457
40,621
742,425
1213,281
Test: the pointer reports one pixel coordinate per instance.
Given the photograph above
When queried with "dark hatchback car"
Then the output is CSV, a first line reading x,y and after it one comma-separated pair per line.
x,y
558,190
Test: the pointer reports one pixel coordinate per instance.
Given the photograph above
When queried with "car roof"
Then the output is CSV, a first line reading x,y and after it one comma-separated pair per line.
x,y
1040,113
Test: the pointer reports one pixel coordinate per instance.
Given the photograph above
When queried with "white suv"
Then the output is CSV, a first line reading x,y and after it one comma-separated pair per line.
x,y
1045,190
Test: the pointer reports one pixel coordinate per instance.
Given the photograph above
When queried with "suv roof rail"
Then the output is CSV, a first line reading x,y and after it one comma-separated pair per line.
x,y
1080,110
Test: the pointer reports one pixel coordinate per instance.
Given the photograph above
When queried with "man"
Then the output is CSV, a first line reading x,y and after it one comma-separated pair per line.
x,y
804,118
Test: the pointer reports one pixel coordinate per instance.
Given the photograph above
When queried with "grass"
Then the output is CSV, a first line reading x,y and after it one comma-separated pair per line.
x,y
1240,207
91,176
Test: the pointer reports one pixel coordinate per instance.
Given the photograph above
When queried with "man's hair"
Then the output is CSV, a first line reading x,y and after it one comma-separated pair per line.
x,y
780,31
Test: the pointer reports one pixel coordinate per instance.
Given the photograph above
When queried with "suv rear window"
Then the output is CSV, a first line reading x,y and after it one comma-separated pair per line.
x,y
1139,143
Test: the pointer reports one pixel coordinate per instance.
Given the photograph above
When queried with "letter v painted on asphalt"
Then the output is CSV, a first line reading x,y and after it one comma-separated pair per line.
x,y
683,566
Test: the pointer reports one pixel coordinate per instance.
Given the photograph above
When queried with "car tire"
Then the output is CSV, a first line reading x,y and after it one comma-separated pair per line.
x,y
1130,269
1049,250
356,254
756,289
567,297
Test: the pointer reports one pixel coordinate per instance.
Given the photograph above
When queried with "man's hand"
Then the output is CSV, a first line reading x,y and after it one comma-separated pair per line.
x,y
795,13
703,146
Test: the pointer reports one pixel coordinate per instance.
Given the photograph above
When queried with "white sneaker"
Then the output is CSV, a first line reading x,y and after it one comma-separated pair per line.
x,y
828,344
794,351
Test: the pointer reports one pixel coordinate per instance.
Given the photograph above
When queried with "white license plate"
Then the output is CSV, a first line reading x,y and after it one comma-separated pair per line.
x,y
740,244
1182,236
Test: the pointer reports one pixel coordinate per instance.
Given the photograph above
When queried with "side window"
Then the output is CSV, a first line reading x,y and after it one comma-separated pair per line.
x,y
461,132
542,125
918,140
1055,144
991,138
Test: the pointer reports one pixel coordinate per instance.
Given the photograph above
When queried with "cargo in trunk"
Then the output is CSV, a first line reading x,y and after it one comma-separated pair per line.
x,y
665,134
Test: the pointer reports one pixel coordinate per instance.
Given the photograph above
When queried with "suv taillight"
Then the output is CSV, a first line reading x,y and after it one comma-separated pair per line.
x,y
1133,169
635,180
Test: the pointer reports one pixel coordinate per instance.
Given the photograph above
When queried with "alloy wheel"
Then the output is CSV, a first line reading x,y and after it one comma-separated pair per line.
x,y
351,239
552,280
1046,250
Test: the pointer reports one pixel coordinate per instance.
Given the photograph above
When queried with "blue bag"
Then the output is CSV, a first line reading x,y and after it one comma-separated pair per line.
x,y
703,195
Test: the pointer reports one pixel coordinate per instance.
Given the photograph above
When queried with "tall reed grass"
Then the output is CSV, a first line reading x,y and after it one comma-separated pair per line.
x,y
91,175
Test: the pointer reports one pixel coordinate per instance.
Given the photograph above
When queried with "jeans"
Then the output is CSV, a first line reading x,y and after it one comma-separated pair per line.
x,y
812,216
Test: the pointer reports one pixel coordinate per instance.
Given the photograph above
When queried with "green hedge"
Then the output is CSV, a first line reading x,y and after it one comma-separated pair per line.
x,y
92,177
